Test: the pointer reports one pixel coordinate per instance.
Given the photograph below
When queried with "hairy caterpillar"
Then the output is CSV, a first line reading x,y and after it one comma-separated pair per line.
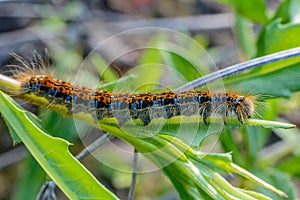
x,y
126,106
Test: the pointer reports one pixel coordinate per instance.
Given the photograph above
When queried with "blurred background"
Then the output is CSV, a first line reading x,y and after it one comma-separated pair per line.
x,y
70,31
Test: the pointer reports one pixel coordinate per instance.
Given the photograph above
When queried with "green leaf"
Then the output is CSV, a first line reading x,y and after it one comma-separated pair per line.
x,y
13,134
278,79
246,36
149,63
281,26
287,11
270,81
242,172
183,66
52,154
278,179
230,144
291,166
102,67
195,171
280,36
252,9
190,128
124,80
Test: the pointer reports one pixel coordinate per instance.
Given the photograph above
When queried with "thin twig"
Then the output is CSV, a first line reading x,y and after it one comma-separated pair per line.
x,y
134,175
192,23
95,145
47,191
234,69
12,156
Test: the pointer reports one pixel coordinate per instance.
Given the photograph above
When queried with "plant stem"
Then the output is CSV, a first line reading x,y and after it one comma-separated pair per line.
x,y
234,69
134,174
95,145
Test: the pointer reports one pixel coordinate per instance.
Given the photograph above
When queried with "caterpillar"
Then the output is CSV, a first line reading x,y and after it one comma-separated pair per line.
x,y
128,106
125,106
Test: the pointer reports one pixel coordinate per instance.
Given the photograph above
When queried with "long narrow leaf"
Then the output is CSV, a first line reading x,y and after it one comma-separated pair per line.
x,y
52,154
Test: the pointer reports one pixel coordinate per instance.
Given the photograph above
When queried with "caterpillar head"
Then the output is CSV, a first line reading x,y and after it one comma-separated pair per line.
x,y
244,108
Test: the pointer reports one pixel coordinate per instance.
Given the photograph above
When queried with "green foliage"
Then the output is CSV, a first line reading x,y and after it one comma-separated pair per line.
x,y
52,154
287,11
166,151
280,79
281,31
278,36
194,174
254,10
